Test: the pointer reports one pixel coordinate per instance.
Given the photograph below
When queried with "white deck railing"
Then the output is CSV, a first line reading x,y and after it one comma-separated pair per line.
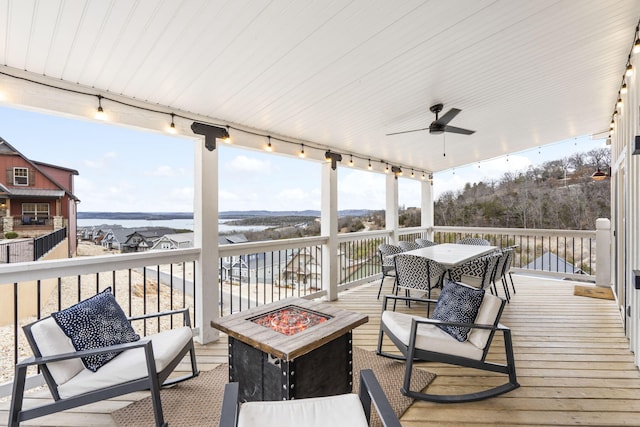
x,y
250,274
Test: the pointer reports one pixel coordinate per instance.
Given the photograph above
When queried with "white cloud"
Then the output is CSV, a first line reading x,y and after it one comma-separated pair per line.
x,y
167,171
361,190
245,164
101,162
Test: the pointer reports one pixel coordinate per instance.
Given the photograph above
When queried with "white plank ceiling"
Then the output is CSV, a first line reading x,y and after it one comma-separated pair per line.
x,y
341,73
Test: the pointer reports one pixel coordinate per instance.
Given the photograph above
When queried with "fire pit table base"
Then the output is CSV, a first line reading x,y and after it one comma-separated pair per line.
x,y
325,371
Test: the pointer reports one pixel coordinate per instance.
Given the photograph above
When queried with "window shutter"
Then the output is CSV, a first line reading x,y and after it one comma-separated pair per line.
x,y
9,176
32,178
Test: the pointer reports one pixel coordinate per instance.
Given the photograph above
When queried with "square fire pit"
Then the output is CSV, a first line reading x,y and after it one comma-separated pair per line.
x,y
289,349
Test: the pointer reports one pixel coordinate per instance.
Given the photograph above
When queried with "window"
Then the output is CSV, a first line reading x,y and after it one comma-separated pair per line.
x,y
35,213
20,176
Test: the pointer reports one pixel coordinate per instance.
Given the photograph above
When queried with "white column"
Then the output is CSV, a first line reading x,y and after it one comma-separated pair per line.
x,y
391,212
329,228
426,207
603,252
205,215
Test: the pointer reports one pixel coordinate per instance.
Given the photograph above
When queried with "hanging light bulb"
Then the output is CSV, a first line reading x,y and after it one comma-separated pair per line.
x,y
369,167
301,154
386,169
350,160
423,176
636,46
623,89
431,176
269,147
227,139
412,174
100,114
172,127
629,70
619,103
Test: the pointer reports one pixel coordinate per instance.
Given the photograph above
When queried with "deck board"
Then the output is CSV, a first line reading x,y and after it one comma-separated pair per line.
x,y
572,358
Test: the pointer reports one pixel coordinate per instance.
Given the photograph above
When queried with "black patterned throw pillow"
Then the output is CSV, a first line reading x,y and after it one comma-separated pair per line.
x,y
93,323
457,303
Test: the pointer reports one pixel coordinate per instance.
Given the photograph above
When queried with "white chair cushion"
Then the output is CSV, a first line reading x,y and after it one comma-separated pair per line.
x,y
489,310
429,337
52,340
331,411
129,365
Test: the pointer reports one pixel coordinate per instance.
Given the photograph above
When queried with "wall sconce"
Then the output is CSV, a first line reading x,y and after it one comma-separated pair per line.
x,y
210,134
334,157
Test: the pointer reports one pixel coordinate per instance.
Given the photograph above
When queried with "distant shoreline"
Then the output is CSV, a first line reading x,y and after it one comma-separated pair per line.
x,y
157,216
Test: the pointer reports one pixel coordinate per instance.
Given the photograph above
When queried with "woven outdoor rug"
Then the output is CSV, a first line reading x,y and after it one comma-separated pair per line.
x,y
197,402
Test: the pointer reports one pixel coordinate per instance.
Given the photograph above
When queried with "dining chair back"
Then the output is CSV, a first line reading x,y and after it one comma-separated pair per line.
x,y
474,241
424,243
386,252
407,246
417,273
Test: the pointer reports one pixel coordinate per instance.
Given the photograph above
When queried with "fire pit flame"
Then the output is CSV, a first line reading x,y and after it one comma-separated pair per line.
x,y
290,320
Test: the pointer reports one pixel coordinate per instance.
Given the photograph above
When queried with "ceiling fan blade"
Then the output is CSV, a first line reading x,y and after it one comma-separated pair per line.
x,y
407,131
453,129
448,116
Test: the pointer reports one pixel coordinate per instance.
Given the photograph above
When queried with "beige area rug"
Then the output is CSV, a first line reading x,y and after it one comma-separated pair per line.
x,y
197,402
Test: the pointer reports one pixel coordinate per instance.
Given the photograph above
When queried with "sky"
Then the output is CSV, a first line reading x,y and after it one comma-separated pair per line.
x,y
127,170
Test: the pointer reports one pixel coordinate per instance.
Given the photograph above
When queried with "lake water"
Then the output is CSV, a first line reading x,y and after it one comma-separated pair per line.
x,y
182,224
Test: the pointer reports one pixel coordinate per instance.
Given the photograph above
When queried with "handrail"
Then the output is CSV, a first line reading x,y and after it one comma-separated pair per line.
x,y
39,270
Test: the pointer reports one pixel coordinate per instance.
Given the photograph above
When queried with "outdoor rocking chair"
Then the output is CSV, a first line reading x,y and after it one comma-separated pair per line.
x,y
459,332
77,377
353,410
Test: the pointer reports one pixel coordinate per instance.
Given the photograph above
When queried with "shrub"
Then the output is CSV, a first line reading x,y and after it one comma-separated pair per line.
x,y
10,235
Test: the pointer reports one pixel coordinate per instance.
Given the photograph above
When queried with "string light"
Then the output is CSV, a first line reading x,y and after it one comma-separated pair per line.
x,y
619,103
412,174
301,154
629,71
623,89
172,127
100,114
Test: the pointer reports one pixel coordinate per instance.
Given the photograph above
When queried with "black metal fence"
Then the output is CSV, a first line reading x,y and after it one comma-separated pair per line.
x,y
31,249
43,244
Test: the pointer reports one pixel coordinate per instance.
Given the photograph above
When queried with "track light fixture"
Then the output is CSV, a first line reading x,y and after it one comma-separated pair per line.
x,y
334,158
100,115
211,133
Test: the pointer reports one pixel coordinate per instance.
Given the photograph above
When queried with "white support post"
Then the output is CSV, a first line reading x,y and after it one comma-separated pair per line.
x,y
206,237
426,207
603,252
329,228
391,212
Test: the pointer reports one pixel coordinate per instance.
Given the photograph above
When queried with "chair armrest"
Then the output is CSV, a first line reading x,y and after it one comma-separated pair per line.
x,y
77,354
465,325
229,412
371,392
405,298
183,311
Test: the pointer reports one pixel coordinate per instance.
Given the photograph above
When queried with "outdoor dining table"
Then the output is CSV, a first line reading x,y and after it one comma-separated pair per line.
x,y
451,255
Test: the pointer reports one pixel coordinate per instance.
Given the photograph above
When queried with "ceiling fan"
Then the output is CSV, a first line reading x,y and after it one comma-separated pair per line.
x,y
440,124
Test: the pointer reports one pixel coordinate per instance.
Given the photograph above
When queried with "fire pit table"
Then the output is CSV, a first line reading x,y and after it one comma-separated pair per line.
x,y
290,349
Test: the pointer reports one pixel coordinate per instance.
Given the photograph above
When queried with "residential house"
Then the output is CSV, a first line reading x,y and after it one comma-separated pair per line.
x,y
553,263
142,239
36,198
174,241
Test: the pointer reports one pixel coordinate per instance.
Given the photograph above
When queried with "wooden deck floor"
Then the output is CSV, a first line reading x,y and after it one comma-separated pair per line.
x,y
572,360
